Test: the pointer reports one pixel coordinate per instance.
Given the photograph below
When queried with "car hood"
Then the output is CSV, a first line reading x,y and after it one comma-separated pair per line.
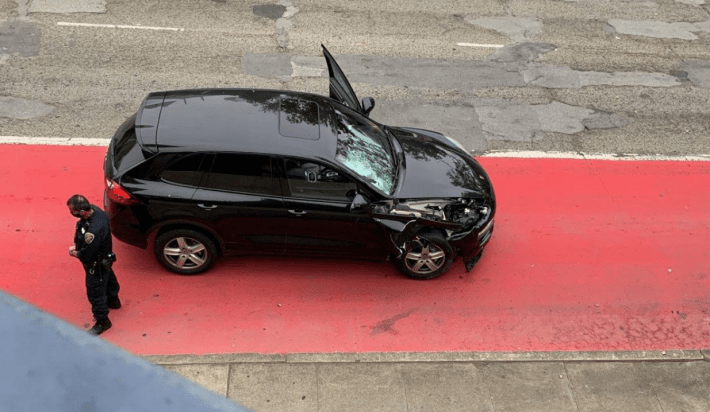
x,y
436,168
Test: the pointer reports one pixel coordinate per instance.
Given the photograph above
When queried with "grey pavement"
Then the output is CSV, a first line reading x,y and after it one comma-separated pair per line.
x,y
629,381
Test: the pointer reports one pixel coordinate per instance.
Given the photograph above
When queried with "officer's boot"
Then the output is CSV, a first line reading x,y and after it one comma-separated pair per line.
x,y
100,326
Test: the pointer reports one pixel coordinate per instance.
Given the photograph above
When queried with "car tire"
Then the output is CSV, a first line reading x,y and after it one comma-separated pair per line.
x,y
185,251
427,257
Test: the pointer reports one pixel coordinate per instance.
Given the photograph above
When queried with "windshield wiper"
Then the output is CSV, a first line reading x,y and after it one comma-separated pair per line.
x,y
396,148
399,162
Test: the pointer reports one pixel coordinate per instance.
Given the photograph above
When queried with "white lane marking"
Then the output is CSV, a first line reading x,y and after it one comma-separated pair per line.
x,y
594,156
496,46
87,141
123,26
118,26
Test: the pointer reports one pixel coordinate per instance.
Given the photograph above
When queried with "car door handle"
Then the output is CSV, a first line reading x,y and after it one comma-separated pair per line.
x,y
297,212
208,207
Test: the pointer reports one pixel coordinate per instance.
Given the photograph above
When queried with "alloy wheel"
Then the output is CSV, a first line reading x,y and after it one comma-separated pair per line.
x,y
185,253
425,260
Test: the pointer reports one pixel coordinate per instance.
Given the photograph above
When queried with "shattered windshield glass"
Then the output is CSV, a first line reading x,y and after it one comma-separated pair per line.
x,y
364,149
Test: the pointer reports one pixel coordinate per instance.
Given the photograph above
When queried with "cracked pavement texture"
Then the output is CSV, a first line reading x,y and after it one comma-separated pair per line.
x,y
583,76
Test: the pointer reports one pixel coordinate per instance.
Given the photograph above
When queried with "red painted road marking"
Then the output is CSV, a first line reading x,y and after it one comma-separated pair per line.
x,y
587,255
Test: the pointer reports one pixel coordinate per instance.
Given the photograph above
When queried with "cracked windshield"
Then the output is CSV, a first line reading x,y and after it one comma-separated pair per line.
x,y
363,148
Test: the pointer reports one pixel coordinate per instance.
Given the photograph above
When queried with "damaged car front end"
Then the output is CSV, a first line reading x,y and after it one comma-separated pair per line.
x,y
431,197
441,207
465,224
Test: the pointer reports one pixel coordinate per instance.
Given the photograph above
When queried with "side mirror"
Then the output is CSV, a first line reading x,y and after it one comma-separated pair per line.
x,y
359,203
368,103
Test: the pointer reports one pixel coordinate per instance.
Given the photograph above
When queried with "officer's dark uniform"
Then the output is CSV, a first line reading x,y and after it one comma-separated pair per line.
x,y
93,245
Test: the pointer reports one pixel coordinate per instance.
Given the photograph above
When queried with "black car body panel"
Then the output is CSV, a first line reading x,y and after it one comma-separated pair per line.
x,y
172,166
248,120
147,121
437,169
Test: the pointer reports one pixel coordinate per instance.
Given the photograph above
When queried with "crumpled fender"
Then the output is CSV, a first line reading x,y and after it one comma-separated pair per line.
x,y
401,232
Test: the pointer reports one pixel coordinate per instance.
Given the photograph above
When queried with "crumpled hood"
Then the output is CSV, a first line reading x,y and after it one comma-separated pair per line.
x,y
436,168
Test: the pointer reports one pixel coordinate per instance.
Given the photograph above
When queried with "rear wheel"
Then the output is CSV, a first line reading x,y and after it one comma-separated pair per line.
x,y
185,251
427,257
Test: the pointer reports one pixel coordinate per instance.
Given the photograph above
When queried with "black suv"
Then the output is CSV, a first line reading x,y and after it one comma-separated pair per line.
x,y
241,171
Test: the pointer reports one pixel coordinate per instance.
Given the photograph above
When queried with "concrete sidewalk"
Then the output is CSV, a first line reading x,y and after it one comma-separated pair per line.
x,y
661,381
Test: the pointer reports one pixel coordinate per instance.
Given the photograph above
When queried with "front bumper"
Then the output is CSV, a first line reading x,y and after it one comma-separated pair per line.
x,y
471,246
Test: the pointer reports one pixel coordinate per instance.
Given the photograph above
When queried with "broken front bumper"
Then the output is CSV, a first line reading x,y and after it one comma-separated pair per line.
x,y
471,242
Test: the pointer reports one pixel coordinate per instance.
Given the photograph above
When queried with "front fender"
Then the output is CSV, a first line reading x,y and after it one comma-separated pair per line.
x,y
401,232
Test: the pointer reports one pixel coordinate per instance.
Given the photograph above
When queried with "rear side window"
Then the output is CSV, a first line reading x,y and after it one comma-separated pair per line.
x,y
127,152
185,171
244,173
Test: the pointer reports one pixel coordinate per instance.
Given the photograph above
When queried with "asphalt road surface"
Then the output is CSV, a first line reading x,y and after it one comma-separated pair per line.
x,y
552,75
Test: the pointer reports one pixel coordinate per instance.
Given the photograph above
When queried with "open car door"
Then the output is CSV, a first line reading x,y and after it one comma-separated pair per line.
x,y
340,88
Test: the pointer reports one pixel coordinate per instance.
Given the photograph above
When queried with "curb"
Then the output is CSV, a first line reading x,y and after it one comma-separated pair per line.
x,y
393,357
55,141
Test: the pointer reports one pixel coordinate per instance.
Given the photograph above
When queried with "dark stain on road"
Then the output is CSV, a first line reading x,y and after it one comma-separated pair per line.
x,y
387,324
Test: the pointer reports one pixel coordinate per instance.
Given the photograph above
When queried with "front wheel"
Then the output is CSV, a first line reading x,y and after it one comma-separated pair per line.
x,y
427,257
185,251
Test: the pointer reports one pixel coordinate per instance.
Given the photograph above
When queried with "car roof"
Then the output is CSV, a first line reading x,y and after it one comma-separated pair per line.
x,y
242,120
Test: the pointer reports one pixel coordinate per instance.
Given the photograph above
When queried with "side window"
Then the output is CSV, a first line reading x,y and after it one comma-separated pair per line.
x,y
185,171
126,151
244,173
311,180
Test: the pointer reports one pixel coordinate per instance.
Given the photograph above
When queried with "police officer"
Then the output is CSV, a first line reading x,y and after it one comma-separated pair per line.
x,y
92,246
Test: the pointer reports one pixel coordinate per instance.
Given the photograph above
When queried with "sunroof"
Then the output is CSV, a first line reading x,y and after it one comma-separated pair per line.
x,y
299,118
